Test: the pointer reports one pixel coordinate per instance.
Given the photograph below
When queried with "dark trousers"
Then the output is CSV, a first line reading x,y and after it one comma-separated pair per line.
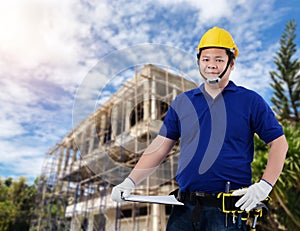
x,y
210,219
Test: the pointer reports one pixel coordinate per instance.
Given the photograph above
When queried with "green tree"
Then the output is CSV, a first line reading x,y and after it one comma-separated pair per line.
x,y
286,80
17,201
7,208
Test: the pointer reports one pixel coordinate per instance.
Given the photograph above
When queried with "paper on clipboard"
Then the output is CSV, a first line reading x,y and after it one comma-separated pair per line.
x,y
170,200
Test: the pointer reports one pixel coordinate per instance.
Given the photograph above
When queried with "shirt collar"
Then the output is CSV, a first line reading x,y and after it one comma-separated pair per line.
x,y
230,87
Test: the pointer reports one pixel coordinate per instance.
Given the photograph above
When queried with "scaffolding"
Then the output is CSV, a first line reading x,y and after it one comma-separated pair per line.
x,y
80,171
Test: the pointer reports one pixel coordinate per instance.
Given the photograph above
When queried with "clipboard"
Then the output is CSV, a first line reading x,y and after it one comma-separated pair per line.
x,y
169,200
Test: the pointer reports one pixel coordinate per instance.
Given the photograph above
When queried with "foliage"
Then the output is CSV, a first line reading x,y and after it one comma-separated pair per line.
x,y
17,200
50,209
285,212
286,80
287,191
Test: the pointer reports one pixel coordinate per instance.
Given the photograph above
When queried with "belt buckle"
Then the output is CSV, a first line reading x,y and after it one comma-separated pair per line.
x,y
200,194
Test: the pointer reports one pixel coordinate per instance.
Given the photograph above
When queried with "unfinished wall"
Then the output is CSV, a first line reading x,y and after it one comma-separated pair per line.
x,y
101,151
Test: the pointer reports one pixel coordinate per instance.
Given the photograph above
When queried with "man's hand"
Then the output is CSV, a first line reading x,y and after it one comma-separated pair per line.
x,y
123,190
252,195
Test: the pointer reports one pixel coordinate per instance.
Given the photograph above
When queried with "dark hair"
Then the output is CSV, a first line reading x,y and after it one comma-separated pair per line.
x,y
228,52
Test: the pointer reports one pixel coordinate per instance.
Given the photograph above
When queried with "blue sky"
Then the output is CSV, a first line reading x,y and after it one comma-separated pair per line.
x,y
48,47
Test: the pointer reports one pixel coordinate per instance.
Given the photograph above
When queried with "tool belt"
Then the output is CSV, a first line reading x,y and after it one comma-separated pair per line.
x,y
206,199
227,204
224,201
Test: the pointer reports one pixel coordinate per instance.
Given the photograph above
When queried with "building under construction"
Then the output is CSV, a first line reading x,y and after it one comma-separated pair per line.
x,y
80,171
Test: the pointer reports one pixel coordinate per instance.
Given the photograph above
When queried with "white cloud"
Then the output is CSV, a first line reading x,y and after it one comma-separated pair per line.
x,y
10,129
25,163
13,89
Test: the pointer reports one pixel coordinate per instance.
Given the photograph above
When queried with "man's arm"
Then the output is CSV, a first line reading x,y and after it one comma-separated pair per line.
x,y
259,191
277,154
154,154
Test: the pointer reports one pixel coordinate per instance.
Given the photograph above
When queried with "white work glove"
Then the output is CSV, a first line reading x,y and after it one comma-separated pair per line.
x,y
252,195
122,190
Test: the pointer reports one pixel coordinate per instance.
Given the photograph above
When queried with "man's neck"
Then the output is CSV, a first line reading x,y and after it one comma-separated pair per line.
x,y
215,89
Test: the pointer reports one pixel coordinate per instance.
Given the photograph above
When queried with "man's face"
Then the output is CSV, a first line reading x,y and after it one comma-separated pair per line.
x,y
212,63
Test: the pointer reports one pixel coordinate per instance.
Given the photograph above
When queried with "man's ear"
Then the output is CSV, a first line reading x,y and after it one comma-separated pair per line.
x,y
232,64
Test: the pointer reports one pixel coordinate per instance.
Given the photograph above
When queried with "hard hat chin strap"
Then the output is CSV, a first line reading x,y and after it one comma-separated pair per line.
x,y
218,79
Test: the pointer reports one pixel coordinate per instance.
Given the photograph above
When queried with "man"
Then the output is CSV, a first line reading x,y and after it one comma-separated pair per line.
x,y
216,124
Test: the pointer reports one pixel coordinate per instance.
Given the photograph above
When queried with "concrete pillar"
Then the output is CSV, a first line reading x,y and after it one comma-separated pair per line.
x,y
66,164
128,110
102,128
92,137
146,100
155,217
114,120
83,144
153,99
76,223
60,159
174,93
90,222
74,152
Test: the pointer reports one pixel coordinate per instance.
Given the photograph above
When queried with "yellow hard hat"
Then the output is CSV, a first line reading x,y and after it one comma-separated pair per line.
x,y
218,37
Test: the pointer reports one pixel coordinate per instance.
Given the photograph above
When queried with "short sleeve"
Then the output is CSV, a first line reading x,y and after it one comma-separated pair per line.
x,y
264,121
171,124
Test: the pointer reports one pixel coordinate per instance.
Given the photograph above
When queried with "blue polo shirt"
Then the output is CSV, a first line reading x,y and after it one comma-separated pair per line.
x,y
216,136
